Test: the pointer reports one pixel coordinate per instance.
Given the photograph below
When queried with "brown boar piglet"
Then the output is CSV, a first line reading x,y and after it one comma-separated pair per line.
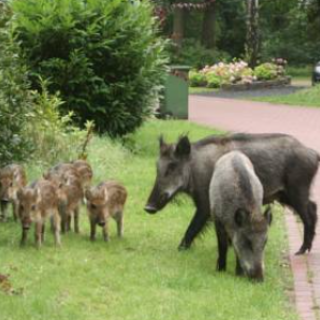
x,y
104,201
70,195
38,202
12,179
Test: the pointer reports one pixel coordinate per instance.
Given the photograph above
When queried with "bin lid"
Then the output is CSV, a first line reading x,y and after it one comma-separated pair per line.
x,y
178,67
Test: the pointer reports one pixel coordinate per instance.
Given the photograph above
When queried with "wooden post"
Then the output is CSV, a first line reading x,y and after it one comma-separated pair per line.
x,y
178,25
208,25
253,41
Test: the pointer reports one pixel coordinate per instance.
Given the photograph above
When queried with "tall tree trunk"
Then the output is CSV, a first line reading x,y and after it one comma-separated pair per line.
x,y
208,26
178,26
253,41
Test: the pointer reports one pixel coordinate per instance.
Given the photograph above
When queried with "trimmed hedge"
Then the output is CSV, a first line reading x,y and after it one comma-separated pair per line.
x,y
104,57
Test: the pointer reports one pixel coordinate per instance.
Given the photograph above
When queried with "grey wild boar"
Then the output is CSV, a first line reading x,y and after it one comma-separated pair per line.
x,y
38,202
104,201
236,196
12,179
285,167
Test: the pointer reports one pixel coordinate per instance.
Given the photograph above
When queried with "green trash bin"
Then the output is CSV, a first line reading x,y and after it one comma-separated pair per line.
x,y
176,93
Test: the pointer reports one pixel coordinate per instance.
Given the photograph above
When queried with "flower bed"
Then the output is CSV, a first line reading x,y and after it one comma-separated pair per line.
x,y
239,76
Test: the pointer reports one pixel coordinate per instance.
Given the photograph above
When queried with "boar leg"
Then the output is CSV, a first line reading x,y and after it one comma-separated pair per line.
x,y
105,232
76,220
297,199
239,270
15,212
38,232
223,242
23,237
57,223
308,215
42,232
119,220
4,209
68,221
93,225
197,224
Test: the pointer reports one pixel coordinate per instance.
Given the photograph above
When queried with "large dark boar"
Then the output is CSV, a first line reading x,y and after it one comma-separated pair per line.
x,y
285,167
236,196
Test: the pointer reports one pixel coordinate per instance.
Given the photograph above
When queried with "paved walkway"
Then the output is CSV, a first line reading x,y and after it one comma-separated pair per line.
x,y
303,123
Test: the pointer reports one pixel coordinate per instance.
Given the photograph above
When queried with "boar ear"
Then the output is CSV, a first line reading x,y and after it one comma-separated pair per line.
x,y
240,217
20,194
88,194
106,194
162,145
161,141
46,175
183,147
268,215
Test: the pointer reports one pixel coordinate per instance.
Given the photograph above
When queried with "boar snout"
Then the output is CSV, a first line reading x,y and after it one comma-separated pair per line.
x,y
150,209
26,224
156,201
101,223
256,274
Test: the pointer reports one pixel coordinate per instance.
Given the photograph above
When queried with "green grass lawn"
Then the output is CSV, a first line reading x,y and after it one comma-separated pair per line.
x,y
195,90
143,276
308,97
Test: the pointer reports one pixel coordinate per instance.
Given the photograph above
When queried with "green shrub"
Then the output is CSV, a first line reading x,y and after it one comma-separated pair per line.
x,y
15,99
104,57
197,79
266,71
193,54
54,137
213,81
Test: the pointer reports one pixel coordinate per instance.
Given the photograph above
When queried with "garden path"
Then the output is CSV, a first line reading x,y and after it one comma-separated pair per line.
x,y
303,123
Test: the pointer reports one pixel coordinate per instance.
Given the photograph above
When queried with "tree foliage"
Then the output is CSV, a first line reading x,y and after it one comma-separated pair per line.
x,y
15,100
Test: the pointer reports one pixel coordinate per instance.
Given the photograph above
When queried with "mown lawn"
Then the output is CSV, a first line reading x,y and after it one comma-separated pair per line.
x,y
308,97
197,90
142,276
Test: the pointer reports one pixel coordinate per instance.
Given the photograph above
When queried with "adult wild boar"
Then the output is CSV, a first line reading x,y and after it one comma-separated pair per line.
x,y
285,167
236,195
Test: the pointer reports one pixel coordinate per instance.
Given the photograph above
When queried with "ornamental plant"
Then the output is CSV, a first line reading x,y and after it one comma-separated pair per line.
x,y
197,79
266,71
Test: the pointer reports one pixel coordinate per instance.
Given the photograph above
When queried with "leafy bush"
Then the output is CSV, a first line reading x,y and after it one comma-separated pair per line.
x,y
213,81
54,137
266,71
102,56
197,79
193,54
15,99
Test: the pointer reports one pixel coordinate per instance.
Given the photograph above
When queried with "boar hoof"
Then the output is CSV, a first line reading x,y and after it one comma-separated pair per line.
x,y
183,246
303,250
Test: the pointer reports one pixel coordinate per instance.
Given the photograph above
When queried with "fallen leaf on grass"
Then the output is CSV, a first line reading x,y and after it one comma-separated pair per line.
x,y
6,287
